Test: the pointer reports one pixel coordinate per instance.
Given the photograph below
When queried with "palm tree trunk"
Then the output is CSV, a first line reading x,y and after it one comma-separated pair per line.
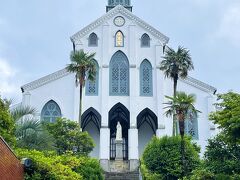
x,y
174,95
181,118
80,106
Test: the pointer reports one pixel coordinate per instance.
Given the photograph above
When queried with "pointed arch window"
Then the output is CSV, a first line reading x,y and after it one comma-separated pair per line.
x,y
93,40
145,40
191,125
92,86
146,78
119,75
50,112
119,39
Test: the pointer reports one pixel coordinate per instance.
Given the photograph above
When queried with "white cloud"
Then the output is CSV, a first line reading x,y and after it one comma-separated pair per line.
x,y
230,25
8,85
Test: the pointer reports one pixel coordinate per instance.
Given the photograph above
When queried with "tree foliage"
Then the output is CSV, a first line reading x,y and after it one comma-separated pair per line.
x,y
7,124
222,154
222,157
83,66
162,156
179,106
48,165
228,117
68,137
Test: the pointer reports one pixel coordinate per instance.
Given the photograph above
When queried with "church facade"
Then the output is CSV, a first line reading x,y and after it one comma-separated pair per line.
x,y
129,87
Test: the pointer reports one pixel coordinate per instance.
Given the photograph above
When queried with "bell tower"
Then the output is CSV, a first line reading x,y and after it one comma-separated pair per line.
x,y
113,3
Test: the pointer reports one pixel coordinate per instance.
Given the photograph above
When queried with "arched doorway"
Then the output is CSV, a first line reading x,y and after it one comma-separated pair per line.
x,y
91,122
147,124
118,113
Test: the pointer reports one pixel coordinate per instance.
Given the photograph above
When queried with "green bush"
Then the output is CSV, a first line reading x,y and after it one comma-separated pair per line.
x,y
163,156
68,137
222,157
48,165
148,176
201,174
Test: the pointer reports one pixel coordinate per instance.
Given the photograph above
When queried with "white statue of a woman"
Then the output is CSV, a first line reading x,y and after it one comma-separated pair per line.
x,y
119,131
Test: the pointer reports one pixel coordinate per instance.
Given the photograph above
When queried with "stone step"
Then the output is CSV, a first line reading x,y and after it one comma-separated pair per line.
x,y
122,175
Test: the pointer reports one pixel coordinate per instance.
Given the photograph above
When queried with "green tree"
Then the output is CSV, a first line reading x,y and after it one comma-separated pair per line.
x,y
7,124
179,106
83,66
228,116
68,137
176,64
30,132
222,154
162,157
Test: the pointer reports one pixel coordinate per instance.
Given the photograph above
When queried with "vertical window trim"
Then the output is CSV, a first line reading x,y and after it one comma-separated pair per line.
x,y
150,94
96,82
89,40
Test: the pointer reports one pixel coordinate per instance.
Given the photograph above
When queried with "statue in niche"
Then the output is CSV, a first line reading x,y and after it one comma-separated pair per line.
x,y
119,131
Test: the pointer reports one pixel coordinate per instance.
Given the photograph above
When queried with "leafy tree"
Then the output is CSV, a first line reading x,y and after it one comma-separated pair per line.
x,y
228,117
222,157
180,106
162,157
83,66
68,137
7,124
29,132
176,64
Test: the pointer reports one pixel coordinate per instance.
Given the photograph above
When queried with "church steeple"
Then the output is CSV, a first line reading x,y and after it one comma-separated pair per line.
x,y
113,3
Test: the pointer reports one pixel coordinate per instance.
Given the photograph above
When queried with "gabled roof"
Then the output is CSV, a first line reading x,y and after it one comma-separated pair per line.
x,y
45,80
119,9
63,72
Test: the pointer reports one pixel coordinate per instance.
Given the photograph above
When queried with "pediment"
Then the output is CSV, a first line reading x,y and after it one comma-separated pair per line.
x,y
76,38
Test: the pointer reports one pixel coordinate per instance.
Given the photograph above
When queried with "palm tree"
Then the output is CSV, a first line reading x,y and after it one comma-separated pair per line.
x,y
30,132
179,106
83,66
175,65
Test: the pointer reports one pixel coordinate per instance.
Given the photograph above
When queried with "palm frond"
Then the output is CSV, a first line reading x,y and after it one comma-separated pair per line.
x,y
21,111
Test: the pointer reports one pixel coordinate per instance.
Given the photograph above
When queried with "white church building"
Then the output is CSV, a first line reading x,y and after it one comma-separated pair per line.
x,y
129,87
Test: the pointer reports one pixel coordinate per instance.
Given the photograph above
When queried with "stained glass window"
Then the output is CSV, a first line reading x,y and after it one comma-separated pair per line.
x,y
119,39
191,125
145,40
146,78
93,40
119,74
92,86
50,112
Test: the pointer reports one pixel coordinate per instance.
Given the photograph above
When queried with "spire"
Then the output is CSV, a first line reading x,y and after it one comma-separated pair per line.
x,y
113,3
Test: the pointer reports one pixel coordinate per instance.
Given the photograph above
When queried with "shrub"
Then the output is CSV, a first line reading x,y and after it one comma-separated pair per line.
x,y
48,165
163,156
222,157
68,137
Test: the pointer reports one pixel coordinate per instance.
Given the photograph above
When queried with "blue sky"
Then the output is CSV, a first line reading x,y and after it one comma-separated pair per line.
x,y
34,36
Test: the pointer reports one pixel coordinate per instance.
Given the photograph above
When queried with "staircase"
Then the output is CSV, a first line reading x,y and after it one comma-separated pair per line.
x,y
134,175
